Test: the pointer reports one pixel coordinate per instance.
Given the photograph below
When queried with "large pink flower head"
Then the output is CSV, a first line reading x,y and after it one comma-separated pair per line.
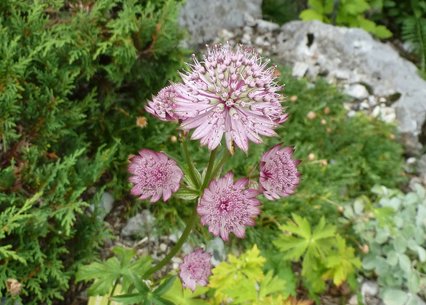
x,y
154,175
232,93
278,172
227,207
162,105
195,269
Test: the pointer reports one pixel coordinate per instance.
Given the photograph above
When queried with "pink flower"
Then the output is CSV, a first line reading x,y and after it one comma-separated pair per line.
x,y
162,105
154,175
231,93
278,173
195,269
227,207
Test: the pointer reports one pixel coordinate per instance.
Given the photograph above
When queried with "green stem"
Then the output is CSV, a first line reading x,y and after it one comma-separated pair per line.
x,y
176,248
209,169
225,158
112,291
189,162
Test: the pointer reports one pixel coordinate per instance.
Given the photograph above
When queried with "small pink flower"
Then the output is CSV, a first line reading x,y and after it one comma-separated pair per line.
x,y
154,175
195,269
278,172
232,93
228,207
162,105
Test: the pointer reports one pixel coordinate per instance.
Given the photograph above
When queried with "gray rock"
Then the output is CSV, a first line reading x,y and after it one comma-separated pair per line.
x,y
369,288
107,202
217,248
264,26
358,57
141,224
353,300
246,39
356,91
163,247
300,69
205,18
262,41
421,166
104,206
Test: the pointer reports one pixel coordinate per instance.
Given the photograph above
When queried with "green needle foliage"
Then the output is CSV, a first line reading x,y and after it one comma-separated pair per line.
x,y
74,76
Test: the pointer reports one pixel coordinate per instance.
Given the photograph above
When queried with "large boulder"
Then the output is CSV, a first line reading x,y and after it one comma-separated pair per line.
x,y
205,18
353,56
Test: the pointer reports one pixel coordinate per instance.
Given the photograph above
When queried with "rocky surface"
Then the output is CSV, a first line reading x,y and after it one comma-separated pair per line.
x,y
377,79
204,18
351,56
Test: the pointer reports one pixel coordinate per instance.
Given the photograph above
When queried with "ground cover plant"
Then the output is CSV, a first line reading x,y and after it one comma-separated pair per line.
x,y
393,231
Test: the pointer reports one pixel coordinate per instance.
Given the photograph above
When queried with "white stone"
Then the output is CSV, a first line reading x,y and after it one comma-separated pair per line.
x,y
357,91
387,114
261,41
226,35
351,113
369,288
163,247
372,100
364,105
246,39
264,26
300,69
376,111
353,300
411,160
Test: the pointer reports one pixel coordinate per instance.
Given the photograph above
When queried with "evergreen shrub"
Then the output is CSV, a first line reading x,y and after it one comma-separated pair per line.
x,y
73,78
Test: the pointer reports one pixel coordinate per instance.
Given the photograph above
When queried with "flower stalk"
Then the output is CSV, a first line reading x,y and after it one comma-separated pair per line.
x,y
189,225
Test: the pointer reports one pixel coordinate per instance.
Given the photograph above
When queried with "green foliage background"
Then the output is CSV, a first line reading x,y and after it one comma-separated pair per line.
x,y
74,76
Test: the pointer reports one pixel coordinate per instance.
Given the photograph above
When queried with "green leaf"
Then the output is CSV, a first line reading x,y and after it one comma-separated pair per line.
x,y
114,269
308,15
165,286
316,5
382,32
136,280
316,243
238,278
342,264
183,296
270,285
394,297
133,298
186,194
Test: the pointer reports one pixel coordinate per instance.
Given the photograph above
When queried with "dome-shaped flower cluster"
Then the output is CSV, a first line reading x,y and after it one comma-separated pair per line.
x,y
230,93
162,105
195,269
227,207
278,172
155,175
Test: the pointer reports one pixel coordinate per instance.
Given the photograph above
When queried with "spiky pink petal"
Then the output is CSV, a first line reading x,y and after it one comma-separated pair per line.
x,y
278,172
195,269
154,175
227,207
162,106
232,93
